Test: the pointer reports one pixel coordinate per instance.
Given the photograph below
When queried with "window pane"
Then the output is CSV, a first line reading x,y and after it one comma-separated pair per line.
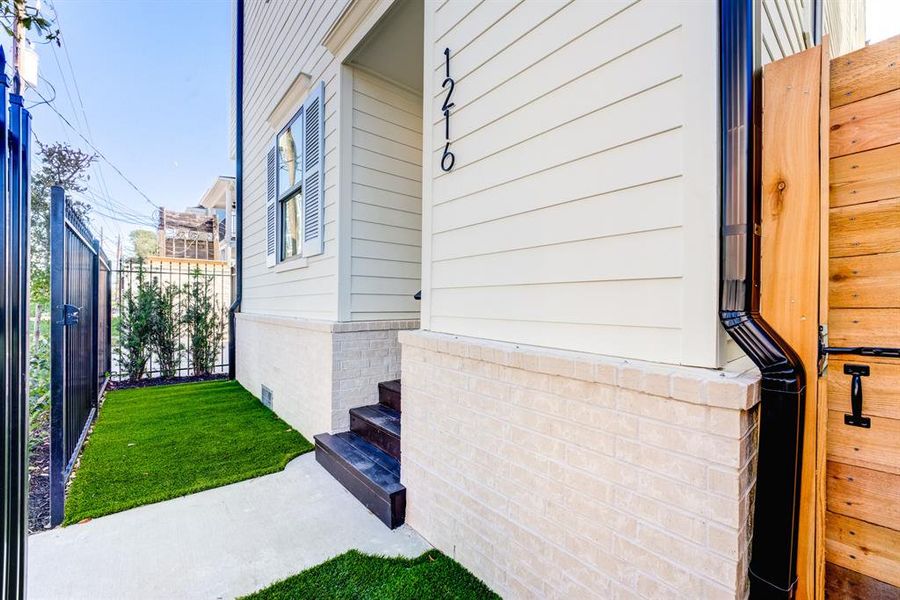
x,y
290,225
289,157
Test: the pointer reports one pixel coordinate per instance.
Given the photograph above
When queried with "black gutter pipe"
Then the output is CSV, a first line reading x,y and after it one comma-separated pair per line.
x,y
817,26
773,553
238,183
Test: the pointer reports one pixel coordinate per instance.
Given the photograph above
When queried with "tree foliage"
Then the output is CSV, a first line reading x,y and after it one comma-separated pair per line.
x,y
165,329
143,243
162,320
31,18
204,320
136,322
67,167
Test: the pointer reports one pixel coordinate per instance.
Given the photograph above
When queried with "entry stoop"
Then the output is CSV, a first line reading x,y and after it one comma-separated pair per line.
x,y
366,459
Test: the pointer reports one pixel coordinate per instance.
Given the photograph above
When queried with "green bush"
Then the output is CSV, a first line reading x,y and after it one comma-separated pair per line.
x,y
204,320
165,333
38,390
163,320
136,325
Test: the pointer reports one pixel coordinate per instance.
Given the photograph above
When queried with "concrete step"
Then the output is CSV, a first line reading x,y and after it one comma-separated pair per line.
x,y
379,425
389,394
368,472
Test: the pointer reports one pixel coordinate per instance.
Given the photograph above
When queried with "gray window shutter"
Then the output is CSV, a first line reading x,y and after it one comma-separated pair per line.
x,y
271,213
314,172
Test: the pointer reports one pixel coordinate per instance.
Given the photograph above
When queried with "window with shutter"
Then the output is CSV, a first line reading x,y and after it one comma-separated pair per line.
x,y
313,171
271,194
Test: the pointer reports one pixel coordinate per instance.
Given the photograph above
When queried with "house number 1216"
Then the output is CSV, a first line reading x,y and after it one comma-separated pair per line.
x,y
448,159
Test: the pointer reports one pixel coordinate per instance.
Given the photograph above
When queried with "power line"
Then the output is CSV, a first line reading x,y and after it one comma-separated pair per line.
x,y
90,134
99,153
118,208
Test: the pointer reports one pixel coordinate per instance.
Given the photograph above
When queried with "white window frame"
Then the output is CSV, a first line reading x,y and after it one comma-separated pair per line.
x,y
280,196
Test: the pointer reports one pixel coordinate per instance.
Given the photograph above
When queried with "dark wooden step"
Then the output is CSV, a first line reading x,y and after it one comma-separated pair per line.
x,y
389,394
369,473
379,425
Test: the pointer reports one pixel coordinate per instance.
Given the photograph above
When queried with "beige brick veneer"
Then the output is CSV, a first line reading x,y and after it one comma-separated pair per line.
x,y
317,370
566,475
361,358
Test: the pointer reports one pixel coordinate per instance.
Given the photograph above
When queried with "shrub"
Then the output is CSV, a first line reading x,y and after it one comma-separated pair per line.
x,y
39,391
136,325
165,331
204,321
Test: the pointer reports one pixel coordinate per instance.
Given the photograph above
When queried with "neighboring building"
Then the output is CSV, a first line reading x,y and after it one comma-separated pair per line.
x,y
575,421
219,201
190,234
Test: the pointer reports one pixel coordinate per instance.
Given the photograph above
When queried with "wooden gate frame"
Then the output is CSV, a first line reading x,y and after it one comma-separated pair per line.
x,y
793,262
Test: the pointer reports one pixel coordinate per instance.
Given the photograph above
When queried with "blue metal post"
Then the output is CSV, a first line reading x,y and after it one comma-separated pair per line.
x,y
95,324
14,249
12,456
58,459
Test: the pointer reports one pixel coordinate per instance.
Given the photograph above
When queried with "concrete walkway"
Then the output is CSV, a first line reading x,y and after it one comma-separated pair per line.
x,y
220,543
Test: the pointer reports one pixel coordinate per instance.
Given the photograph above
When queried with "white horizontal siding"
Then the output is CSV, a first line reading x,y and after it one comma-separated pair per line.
x,y
581,212
386,230
786,28
282,40
845,23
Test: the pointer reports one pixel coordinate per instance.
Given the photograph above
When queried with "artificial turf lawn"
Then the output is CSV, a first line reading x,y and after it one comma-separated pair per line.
x,y
356,576
156,443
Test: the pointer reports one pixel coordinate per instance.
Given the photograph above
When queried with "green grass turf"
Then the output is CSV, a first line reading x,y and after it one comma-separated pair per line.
x,y
356,576
156,443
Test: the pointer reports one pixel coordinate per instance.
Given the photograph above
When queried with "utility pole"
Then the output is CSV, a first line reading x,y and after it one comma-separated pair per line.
x,y
119,271
18,36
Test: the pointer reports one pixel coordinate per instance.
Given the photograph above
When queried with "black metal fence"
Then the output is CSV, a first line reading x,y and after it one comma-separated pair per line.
x,y
185,277
80,343
15,141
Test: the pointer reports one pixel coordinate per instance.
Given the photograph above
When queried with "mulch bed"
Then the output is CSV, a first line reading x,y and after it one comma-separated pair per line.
x,y
39,485
139,383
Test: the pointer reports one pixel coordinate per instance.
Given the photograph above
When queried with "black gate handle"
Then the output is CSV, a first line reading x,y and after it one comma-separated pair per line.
x,y
861,351
70,314
856,396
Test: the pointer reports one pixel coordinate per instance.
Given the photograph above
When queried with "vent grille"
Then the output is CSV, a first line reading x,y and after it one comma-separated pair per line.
x,y
267,397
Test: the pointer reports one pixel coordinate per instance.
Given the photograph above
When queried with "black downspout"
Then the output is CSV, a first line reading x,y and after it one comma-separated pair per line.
x,y
238,183
817,25
773,558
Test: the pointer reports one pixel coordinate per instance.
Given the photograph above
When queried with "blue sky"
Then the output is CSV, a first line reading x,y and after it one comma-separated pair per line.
x,y
154,78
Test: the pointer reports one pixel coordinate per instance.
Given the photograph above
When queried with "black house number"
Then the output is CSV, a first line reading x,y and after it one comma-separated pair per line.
x,y
448,159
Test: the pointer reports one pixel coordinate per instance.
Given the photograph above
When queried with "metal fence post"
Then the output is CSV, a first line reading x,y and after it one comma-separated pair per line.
x,y
108,361
13,542
95,324
14,230
57,354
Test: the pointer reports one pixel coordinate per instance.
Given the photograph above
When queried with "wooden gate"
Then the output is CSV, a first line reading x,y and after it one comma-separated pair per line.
x,y
830,263
862,442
